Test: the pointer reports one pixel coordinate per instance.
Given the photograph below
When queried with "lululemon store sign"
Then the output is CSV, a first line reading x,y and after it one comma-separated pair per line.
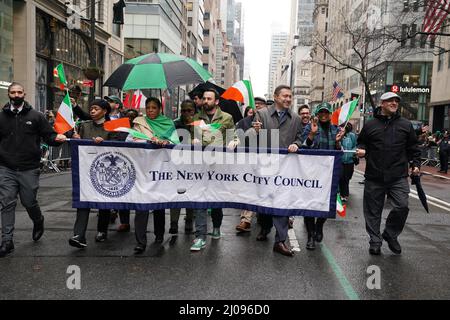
x,y
410,89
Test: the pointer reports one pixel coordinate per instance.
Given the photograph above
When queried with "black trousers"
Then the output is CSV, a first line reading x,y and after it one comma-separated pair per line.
x,y
81,223
124,216
141,222
311,222
217,217
374,197
266,221
346,176
443,158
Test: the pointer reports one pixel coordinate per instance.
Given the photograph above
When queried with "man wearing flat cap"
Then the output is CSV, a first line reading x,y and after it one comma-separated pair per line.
x,y
389,144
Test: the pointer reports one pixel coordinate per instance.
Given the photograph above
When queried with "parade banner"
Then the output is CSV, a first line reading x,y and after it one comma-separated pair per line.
x,y
143,176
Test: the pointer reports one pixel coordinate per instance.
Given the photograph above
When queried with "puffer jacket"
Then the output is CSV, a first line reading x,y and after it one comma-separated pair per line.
x,y
391,146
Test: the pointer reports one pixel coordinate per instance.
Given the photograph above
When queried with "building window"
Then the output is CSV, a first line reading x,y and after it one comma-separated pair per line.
x,y
413,32
404,34
441,59
190,21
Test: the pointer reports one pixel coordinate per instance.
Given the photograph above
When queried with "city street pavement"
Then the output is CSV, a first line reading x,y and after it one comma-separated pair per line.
x,y
234,267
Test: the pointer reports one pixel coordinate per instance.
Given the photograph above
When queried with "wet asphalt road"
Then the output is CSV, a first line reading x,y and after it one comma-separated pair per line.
x,y
235,267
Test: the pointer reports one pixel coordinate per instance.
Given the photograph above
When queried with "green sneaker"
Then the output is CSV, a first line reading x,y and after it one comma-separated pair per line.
x,y
216,234
198,244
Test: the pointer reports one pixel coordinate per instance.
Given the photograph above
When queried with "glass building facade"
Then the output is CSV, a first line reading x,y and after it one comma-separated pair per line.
x,y
56,44
412,79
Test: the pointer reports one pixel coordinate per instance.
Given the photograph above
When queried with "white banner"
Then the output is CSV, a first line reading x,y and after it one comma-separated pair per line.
x,y
139,177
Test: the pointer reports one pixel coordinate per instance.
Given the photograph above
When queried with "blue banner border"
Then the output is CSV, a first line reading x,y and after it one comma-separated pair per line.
x,y
204,205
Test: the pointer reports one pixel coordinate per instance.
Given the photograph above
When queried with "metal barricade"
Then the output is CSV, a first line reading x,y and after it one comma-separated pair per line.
x,y
432,157
55,158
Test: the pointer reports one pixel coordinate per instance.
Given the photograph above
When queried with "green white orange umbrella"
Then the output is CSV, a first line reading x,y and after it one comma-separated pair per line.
x,y
157,71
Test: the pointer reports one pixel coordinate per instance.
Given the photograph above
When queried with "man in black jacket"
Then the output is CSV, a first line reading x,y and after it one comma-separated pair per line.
x,y
21,130
389,144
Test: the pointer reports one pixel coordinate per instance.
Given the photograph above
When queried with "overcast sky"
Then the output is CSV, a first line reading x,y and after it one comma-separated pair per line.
x,y
261,16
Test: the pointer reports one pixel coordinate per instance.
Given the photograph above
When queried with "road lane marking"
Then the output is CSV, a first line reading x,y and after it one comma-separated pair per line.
x,y
430,200
293,241
349,291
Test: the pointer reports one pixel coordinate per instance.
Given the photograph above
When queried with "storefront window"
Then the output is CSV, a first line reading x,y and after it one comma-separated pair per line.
x,y
41,84
6,47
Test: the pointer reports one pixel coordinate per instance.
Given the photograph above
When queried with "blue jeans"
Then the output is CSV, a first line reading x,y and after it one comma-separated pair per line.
x,y
201,226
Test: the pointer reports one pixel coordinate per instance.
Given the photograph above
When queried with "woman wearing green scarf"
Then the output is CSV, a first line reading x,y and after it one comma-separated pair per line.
x,y
162,131
155,125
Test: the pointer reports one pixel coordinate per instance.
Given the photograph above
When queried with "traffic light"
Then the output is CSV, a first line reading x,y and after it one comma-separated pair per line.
x,y
118,12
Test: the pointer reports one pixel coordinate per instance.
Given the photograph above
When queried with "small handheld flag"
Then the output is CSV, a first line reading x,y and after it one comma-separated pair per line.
x,y
241,91
134,133
58,72
114,124
64,118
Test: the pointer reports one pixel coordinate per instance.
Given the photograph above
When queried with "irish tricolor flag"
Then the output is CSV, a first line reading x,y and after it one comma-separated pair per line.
x,y
64,118
343,115
58,72
241,91
134,133
341,208
208,127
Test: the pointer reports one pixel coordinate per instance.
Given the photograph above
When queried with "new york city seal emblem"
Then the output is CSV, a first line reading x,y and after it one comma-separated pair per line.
x,y
113,174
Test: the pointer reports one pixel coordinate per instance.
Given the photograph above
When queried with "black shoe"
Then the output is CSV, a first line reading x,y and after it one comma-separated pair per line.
x,y
393,244
77,242
38,229
262,236
6,248
101,237
311,245
173,228
375,250
139,249
159,239
318,234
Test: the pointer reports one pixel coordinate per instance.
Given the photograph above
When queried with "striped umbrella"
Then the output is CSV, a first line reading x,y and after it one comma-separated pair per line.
x,y
157,71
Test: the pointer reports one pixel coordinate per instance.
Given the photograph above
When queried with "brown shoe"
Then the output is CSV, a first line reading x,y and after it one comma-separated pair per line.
x,y
243,226
280,247
123,228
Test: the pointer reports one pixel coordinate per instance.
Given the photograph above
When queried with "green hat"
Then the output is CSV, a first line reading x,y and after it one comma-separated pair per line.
x,y
115,99
324,106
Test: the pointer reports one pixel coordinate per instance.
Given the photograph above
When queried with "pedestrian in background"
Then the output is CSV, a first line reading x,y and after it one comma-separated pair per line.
x,y
444,151
349,143
21,131
389,144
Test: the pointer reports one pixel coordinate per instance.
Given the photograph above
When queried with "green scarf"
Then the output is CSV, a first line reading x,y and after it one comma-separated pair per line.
x,y
163,128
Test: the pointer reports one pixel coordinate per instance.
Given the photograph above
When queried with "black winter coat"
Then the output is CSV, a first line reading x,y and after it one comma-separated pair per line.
x,y
20,137
391,145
